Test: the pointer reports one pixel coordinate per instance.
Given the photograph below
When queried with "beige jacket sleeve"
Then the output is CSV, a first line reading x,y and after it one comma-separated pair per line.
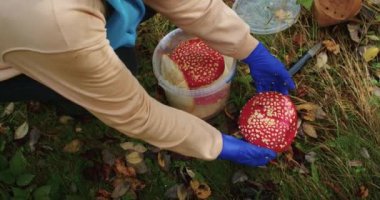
x,y
76,61
211,20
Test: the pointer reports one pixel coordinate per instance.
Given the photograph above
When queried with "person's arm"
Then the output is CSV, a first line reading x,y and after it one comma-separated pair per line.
x,y
222,29
213,21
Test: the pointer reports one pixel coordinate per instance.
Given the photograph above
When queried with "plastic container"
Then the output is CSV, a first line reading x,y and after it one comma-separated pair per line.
x,y
204,102
327,12
267,16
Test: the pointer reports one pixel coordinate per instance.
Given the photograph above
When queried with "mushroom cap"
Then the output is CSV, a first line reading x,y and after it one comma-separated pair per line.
x,y
200,64
269,120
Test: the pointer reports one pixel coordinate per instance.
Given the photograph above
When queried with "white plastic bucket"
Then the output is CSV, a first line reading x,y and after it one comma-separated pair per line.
x,y
203,102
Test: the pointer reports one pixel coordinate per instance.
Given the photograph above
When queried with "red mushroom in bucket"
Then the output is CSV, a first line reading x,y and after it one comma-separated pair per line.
x,y
200,64
269,120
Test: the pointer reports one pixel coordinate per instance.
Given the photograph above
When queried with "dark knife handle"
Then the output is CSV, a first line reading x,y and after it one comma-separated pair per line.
x,y
301,62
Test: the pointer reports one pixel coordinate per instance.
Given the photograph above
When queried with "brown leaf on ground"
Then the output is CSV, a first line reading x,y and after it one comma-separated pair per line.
x,y
299,39
106,172
136,184
309,130
331,46
164,160
201,190
289,158
354,30
302,91
73,147
21,131
3,129
363,192
122,170
310,111
120,188
103,194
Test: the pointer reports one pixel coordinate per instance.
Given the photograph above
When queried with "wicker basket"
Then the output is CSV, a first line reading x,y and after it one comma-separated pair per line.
x,y
331,12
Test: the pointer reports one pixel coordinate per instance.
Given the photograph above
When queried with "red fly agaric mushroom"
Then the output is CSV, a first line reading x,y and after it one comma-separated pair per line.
x,y
269,120
200,64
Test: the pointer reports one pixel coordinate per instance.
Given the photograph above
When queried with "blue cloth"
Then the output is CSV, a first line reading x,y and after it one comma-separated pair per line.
x,y
242,152
122,23
268,72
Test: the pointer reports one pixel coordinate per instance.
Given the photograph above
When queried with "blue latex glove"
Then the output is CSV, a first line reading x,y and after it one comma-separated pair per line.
x,y
242,152
268,72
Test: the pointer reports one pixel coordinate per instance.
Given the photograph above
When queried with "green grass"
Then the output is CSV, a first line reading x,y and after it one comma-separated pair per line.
x,y
351,126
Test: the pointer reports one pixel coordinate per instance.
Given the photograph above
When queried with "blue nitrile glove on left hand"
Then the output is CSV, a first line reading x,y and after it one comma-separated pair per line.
x,y
242,152
268,72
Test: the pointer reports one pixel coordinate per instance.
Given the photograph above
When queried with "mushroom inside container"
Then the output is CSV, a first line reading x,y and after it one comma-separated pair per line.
x,y
204,102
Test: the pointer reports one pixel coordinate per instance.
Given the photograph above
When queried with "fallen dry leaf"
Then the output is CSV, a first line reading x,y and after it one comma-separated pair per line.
x,y
178,191
201,190
302,169
102,193
132,146
299,122
8,109
370,53
376,91
3,129
377,73
363,192
34,136
377,2
108,157
136,160
337,189
122,170
73,147
21,131
354,30
310,111
355,163
239,176
134,157
78,129
182,192
311,157
299,39
164,160
322,61
136,184
331,46
373,37
309,130
106,172
364,153
120,189
64,119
